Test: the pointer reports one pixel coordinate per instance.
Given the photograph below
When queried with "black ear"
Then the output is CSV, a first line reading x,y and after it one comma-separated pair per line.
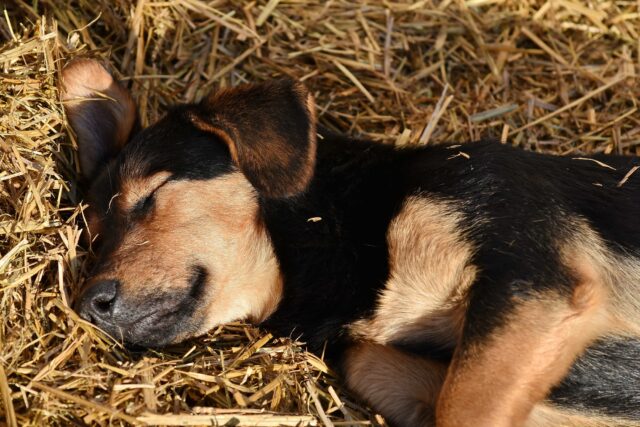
x,y
100,111
270,129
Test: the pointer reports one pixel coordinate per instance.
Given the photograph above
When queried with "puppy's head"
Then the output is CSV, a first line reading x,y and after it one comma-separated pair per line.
x,y
174,210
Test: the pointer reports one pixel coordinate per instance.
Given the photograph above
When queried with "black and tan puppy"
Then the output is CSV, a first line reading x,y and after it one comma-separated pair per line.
x,y
455,285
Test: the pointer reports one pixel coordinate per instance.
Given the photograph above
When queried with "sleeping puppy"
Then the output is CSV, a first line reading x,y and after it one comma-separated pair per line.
x,y
454,285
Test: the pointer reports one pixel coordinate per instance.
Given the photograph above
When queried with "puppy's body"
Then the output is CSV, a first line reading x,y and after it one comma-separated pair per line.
x,y
508,206
451,284
479,210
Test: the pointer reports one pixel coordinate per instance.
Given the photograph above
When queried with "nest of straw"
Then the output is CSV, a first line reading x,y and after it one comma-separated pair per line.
x,y
558,76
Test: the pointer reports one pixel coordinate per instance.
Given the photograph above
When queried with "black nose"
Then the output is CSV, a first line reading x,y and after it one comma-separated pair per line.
x,y
97,302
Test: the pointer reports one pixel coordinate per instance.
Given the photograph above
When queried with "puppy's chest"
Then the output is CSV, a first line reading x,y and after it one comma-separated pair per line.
x,y
430,271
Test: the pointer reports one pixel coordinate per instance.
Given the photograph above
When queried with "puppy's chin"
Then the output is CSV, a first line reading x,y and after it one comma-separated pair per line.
x,y
158,333
150,341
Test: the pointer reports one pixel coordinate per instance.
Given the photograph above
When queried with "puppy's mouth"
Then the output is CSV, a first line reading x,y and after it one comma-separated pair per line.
x,y
160,319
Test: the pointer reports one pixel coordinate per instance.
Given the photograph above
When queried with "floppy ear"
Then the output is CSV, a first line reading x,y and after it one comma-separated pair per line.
x,y
270,129
100,111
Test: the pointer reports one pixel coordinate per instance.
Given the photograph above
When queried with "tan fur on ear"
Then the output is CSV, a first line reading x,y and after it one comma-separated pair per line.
x,y
270,130
100,111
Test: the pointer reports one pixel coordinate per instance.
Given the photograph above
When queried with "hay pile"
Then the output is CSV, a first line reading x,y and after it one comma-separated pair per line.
x,y
555,75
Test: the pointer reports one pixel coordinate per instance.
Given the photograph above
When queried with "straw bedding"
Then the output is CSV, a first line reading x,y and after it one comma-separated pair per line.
x,y
556,75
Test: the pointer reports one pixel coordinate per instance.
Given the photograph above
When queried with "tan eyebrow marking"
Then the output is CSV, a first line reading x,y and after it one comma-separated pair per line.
x,y
135,189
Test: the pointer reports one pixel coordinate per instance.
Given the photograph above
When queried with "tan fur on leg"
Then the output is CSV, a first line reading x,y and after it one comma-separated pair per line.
x,y
497,381
402,387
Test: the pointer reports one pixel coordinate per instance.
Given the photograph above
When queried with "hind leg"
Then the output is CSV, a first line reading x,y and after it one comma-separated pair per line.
x,y
497,377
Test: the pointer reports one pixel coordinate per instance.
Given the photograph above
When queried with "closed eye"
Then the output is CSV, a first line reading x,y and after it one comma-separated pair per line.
x,y
143,206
